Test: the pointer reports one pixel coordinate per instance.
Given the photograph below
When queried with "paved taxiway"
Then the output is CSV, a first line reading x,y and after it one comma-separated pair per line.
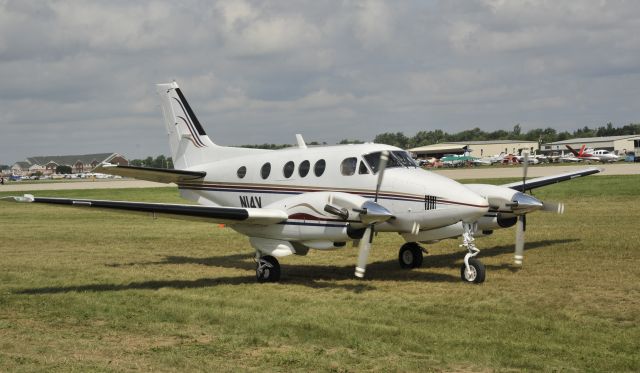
x,y
456,173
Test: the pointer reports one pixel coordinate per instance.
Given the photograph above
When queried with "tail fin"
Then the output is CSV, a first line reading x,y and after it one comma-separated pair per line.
x,y
573,151
190,145
581,152
186,134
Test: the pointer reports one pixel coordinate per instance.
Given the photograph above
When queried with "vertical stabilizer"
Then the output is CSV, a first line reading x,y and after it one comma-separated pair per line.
x,y
189,143
187,137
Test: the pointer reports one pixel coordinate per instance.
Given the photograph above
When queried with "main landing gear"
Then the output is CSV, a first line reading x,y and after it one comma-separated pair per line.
x,y
410,255
472,270
267,269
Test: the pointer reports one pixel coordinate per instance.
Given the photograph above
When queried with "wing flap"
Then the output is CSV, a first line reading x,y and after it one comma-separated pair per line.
x,y
225,215
159,175
548,180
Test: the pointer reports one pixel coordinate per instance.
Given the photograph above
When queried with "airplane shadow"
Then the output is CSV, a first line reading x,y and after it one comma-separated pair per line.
x,y
312,276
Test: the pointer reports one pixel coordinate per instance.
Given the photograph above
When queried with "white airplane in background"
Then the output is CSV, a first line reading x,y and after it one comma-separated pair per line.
x,y
292,200
589,154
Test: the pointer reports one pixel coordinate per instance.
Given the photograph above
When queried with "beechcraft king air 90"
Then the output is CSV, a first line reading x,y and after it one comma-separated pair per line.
x,y
296,199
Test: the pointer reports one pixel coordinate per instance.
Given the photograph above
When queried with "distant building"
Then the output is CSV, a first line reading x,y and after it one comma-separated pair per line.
x,y
617,144
47,165
476,148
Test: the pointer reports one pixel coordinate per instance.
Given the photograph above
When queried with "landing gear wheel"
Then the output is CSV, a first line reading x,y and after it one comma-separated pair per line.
x,y
267,269
476,272
410,255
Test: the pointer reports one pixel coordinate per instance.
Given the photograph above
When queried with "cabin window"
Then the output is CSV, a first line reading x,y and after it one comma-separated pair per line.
x,y
319,167
303,169
363,168
288,168
348,166
242,171
265,170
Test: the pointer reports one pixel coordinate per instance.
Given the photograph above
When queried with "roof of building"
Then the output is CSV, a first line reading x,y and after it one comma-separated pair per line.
x,y
70,160
23,165
592,139
439,147
459,145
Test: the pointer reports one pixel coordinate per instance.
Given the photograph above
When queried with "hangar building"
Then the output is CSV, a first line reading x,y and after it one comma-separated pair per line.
x,y
618,144
79,163
476,148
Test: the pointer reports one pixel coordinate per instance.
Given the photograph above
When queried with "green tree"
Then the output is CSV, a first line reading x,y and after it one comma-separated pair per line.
x,y
394,139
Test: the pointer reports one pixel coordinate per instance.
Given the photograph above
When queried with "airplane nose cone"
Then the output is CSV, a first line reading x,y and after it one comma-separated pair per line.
x,y
523,203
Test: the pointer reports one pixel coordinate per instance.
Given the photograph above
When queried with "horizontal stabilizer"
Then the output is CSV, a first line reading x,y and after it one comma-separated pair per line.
x,y
548,180
159,175
225,215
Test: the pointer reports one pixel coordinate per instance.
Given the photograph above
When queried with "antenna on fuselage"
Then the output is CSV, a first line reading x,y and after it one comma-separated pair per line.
x,y
301,143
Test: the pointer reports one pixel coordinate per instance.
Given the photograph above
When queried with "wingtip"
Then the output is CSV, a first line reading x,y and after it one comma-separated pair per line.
x,y
27,198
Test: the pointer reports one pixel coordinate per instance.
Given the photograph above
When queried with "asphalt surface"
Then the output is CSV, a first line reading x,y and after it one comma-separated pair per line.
x,y
455,173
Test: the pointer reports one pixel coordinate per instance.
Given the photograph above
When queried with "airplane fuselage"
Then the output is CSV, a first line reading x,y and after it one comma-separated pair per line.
x,y
422,199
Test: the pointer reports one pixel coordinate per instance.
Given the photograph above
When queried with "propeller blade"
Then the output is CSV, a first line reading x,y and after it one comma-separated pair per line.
x,y
557,207
384,158
521,226
363,254
525,166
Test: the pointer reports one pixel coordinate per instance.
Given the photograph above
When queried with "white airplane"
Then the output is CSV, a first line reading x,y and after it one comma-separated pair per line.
x,y
588,154
292,200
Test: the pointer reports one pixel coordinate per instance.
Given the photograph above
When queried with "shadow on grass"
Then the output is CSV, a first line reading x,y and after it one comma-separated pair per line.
x,y
313,276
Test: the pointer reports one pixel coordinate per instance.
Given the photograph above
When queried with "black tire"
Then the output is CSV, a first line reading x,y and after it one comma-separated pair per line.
x,y
410,255
268,269
477,270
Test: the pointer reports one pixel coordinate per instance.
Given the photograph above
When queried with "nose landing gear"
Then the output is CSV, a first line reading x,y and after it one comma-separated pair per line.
x,y
472,270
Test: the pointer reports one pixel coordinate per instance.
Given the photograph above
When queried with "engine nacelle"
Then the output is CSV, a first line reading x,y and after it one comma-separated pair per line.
x,y
489,223
310,224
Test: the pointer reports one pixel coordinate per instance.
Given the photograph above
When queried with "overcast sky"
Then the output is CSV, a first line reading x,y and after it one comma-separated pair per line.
x,y
78,76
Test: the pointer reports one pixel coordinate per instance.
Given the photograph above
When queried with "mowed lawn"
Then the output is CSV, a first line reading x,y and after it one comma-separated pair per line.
x,y
85,290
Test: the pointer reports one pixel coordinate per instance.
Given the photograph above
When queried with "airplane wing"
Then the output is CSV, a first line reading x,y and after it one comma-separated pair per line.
x,y
548,180
160,175
224,215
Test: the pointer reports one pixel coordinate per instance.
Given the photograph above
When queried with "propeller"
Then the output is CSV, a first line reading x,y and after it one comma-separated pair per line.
x,y
371,214
521,224
522,204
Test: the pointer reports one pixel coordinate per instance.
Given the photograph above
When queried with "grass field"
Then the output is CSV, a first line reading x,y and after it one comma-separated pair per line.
x,y
87,290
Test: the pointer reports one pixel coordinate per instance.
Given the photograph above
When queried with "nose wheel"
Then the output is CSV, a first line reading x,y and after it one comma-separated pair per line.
x,y
474,272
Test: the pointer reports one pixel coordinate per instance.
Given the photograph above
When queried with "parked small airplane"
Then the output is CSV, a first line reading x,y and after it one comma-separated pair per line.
x,y
292,200
600,155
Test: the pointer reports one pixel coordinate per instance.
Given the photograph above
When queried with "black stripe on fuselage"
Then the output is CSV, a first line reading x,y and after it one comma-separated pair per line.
x,y
295,191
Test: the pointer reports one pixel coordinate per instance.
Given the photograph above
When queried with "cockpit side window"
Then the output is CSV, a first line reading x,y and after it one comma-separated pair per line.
x,y
373,160
363,169
348,166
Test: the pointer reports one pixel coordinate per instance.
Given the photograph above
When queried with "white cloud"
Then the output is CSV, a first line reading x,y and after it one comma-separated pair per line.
x,y
258,71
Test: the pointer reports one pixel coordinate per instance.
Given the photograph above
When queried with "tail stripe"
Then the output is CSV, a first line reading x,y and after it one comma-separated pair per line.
x,y
190,113
194,138
190,125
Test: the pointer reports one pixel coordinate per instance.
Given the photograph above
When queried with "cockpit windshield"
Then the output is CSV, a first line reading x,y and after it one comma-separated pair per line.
x,y
397,158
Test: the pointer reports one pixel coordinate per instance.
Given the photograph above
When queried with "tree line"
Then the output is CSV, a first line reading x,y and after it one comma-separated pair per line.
x,y
423,138
539,135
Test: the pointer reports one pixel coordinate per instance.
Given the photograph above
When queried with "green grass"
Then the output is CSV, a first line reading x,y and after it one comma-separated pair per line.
x,y
87,290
